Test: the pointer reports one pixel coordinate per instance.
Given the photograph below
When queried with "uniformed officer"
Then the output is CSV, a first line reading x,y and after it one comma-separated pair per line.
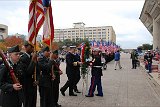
x,y
55,83
70,71
149,61
96,74
29,60
12,94
77,70
45,62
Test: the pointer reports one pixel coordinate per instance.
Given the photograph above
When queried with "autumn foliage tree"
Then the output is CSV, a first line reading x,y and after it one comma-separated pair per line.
x,y
12,41
2,46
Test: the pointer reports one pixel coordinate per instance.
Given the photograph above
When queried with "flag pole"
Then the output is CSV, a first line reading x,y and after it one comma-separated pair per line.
x,y
35,31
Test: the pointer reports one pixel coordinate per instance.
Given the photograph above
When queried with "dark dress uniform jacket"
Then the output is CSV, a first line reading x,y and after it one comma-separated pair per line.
x,y
45,81
70,58
55,83
77,59
11,97
45,76
30,91
97,71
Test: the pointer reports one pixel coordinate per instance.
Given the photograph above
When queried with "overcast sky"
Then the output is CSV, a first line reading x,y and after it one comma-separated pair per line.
x,y
123,15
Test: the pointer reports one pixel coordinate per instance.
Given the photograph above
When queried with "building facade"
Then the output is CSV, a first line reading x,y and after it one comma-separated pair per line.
x,y
79,32
3,31
150,17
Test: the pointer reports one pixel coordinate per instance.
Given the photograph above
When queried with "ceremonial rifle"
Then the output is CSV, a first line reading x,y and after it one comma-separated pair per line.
x,y
9,67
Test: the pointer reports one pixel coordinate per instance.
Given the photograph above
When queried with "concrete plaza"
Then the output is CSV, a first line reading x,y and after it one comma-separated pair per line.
x,y
124,87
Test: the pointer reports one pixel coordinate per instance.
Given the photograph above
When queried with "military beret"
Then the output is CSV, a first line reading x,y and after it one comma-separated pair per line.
x,y
45,49
14,49
26,43
55,52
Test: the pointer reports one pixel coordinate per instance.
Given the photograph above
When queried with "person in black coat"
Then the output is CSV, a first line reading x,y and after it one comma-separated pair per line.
x,y
12,93
145,60
96,75
70,71
29,60
149,61
55,83
46,77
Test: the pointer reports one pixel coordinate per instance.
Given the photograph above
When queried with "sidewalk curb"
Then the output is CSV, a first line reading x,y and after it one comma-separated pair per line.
x,y
151,81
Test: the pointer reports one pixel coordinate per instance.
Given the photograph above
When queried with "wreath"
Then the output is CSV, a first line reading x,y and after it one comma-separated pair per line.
x,y
85,58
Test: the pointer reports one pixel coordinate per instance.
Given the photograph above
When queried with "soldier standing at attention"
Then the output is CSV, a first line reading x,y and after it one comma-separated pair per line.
x,y
55,83
12,91
30,89
70,71
45,62
96,75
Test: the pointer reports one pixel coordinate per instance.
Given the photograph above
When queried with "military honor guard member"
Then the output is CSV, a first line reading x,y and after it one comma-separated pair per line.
x,y
11,78
46,76
96,74
29,60
70,71
55,83
77,70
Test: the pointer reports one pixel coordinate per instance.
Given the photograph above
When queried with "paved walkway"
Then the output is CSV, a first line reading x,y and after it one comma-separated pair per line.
x,y
122,88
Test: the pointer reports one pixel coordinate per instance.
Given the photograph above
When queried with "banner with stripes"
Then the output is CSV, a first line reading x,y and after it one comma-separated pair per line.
x,y
36,19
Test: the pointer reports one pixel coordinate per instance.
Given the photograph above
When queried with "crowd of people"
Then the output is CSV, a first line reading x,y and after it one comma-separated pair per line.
x,y
147,57
28,70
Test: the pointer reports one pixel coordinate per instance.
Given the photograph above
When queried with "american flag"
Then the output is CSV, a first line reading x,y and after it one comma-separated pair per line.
x,y
48,27
36,19
83,45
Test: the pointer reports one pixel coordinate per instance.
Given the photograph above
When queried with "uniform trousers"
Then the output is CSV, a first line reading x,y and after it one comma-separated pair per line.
x,y
30,96
55,90
95,81
70,83
45,96
77,78
134,64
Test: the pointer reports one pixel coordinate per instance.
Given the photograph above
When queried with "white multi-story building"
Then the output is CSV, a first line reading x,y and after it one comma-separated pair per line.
x,y
79,31
3,31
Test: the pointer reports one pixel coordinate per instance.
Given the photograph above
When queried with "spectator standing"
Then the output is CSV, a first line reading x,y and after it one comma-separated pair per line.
x,y
117,59
134,58
149,61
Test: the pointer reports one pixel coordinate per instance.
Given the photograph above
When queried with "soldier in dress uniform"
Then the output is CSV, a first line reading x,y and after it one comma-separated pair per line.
x,y
46,75
96,74
70,71
12,94
29,60
55,83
